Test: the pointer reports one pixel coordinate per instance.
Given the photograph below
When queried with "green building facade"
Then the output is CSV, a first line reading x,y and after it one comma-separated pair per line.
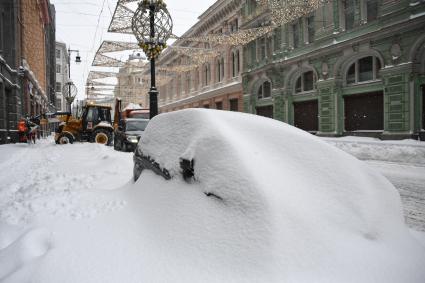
x,y
353,67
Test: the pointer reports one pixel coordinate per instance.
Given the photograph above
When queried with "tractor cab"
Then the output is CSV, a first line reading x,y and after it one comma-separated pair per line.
x,y
93,117
94,125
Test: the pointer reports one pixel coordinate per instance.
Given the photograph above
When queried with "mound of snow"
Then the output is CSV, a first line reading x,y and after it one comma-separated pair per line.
x,y
132,106
406,151
288,206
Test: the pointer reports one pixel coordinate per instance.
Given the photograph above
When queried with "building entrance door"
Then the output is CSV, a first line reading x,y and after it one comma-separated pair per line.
x,y
364,112
306,115
266,111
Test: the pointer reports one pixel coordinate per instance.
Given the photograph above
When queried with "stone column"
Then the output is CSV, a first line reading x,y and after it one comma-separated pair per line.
x,y
398,101
331,120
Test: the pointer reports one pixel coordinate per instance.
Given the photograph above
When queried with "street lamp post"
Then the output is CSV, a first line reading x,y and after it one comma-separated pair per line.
x,y
70,94
152,25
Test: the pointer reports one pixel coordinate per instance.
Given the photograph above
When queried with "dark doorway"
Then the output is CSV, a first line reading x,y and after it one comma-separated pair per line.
x,y
306,115
364,112
266,111
234,104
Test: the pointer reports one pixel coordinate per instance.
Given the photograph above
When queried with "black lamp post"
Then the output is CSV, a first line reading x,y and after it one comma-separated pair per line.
x,y
152,25
71,91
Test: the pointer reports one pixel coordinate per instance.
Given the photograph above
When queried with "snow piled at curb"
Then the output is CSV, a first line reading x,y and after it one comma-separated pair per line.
x,y
406,151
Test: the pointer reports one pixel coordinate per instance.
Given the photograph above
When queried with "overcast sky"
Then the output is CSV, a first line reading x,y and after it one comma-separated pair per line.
x,y
83,24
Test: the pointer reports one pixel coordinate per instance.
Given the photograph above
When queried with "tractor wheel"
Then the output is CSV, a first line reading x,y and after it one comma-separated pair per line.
x,y
102,136
65,138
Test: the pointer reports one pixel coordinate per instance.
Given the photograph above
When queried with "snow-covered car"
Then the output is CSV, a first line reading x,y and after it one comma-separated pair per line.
x,y
233,197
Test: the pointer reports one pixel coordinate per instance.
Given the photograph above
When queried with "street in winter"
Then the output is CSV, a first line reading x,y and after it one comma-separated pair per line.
x,y
212,141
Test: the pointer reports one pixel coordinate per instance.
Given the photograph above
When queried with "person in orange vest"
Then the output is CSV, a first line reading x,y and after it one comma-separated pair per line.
x,y
22,130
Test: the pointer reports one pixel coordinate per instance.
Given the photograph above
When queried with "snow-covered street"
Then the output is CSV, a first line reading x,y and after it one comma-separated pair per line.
x,y
402,162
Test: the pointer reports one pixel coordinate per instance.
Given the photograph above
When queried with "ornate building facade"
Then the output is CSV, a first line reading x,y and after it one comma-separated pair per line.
x,y
130,87
61,69
349,68
217,82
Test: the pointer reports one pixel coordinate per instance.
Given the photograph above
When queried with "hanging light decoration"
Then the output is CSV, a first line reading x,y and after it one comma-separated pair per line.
x,y
241,37
163,24
287,11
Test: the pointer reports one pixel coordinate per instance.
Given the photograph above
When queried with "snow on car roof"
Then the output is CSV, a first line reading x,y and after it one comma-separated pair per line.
x,y
303,207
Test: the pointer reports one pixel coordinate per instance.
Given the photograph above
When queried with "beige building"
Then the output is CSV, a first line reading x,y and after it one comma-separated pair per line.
x,y
131,86
214,83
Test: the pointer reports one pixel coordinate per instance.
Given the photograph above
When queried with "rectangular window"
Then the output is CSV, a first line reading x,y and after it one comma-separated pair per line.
x,y
349,11
58,54
311,29
58,68
262,48
366,69
308,81
58,87
277,39
372,10
234,105
58,104
296,33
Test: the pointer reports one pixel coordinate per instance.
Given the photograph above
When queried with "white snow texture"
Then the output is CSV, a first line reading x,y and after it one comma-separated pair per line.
x,y
289,208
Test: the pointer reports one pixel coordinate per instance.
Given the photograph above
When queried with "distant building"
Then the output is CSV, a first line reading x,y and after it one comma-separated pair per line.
x,y
131,86
61,70
27,36
349,68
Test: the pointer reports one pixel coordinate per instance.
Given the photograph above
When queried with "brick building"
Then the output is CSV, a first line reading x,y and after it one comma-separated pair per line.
x,y
27,36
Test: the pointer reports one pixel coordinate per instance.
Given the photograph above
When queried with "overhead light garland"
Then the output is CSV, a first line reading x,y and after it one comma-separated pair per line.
x,y
241,37
94,75
287,11
121,20
108,46
197,55
101,60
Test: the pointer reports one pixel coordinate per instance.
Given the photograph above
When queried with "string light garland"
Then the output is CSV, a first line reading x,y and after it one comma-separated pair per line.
x,y
101,60
286,11
241,37
94,75
121,20
108,46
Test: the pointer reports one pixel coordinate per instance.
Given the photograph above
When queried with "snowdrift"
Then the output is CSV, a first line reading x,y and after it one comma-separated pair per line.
x,y
267,203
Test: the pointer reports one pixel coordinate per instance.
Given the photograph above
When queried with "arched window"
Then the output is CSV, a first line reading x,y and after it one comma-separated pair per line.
x,y
305,82
206,74
235,63
264,91
364,69
220,69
